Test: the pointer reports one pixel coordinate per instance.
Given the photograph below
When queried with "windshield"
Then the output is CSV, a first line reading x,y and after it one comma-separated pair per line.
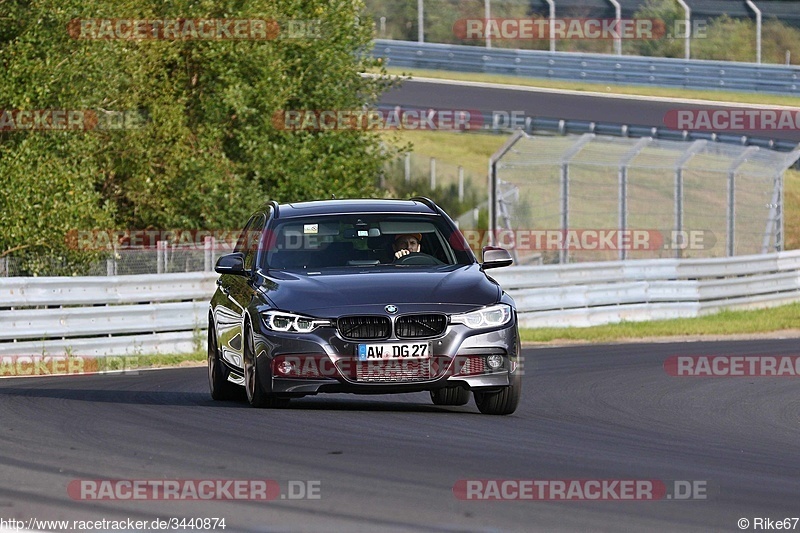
x,y
364,240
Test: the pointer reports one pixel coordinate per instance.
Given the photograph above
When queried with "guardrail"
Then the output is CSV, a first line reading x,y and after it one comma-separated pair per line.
x,y
597,68
588,294
166,313
496,123
117,315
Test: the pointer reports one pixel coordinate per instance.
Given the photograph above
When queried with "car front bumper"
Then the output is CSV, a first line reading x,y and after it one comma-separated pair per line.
x,y
323,362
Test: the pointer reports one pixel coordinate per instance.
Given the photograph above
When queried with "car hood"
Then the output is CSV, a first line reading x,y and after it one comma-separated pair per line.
x,y
331,292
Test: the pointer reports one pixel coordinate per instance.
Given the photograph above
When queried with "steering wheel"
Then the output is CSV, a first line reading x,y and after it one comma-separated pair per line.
x,y
417,258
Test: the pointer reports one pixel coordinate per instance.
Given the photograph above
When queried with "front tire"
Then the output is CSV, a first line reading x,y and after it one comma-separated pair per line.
x,y
503,402
450,396
256,395
221,389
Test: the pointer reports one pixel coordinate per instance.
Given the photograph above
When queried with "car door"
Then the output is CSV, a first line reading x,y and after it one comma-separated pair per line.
x,y
237,292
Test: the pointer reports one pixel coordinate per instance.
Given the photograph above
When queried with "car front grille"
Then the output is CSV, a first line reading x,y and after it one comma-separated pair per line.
x,y
417,326
364,327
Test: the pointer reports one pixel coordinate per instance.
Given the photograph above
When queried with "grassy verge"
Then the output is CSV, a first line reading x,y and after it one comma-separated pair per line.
x,y
142,362
696,94
786,317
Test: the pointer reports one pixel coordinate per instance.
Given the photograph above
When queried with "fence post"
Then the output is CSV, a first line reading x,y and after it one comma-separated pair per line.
x,y
111,263
623,186
407,167
4,266
161,254
208,254
433,173
421,21
460,183
682,160
572,151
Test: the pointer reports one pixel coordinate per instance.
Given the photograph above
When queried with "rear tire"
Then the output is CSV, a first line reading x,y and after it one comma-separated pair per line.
x,y
256,395
503,402
450,396
221,389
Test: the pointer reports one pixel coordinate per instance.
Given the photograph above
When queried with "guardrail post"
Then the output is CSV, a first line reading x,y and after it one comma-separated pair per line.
x,y
407,167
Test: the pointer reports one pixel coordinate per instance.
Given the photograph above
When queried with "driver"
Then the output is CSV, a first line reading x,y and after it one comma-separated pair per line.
x,y
406,243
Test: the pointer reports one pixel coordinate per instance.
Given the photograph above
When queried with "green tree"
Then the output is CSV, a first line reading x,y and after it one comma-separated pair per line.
x,y
209,151
669,44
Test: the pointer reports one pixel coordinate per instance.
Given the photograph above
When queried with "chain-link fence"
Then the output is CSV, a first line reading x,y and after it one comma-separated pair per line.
x,y
164,258
591,198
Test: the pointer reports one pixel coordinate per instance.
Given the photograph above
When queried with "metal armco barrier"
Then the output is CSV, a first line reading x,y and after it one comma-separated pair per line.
x,y
588,294
116,315
166,313
598,68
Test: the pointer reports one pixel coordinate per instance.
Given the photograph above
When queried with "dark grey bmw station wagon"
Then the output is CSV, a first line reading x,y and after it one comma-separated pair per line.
x,y
315,298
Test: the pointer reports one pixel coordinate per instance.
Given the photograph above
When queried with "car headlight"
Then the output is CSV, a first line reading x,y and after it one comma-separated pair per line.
x,y
289,322
488,317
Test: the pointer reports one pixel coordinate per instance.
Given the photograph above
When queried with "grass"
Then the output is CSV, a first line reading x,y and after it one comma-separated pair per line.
x,y
472,151
696,94
786,317
142,362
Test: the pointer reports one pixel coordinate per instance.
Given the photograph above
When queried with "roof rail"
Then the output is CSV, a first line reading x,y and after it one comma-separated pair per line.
x,y
427,201
275,209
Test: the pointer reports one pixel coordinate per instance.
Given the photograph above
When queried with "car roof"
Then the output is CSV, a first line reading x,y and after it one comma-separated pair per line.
x,y
364,205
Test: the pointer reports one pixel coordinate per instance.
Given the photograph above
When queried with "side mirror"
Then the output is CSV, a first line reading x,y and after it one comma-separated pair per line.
x,y
231,264
495,257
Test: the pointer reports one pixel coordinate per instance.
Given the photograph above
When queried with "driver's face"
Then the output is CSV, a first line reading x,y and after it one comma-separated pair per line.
x,y
406,242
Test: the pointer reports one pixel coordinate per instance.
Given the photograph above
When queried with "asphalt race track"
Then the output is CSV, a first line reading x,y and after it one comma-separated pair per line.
x,y
553,104
389,463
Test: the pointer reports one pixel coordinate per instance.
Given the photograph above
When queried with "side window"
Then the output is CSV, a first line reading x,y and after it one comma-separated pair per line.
x,y
252,240
241,243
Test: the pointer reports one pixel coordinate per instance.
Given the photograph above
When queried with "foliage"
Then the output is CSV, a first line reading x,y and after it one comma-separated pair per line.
x,y
670,45
208,152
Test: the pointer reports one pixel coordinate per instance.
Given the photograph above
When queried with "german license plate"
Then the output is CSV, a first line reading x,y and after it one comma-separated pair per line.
x,y
394,350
